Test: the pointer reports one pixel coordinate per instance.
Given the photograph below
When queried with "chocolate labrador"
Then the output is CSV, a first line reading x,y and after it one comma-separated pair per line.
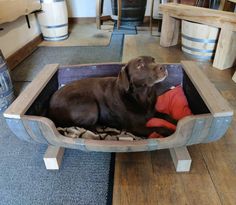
x,y
124,102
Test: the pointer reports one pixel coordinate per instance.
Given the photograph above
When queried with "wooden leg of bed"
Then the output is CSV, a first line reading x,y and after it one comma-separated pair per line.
x,y
234,77
181,159
53,157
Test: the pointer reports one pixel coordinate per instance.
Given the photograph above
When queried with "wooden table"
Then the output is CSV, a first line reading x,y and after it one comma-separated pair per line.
x,y
226,47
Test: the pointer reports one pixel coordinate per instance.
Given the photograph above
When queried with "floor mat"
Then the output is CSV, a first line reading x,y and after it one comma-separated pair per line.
x,y
83,177
84,34
30,67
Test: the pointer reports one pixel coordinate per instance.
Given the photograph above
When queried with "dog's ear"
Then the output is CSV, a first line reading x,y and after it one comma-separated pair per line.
x,y
123,78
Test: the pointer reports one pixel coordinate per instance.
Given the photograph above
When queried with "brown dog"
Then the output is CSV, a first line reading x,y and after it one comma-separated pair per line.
x,y
123,102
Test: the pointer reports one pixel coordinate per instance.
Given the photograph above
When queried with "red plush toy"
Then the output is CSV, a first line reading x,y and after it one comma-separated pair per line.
x,y
173,103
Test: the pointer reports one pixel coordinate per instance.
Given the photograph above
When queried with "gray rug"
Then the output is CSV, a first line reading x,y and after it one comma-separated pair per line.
x,y
125,29
28,69
84,176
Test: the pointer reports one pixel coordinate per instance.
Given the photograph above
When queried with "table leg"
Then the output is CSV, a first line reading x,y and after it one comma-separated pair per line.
x,y
151,16
169,31
119,3
98,13
226,49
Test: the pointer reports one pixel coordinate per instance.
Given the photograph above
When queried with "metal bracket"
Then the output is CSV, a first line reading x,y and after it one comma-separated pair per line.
x,y
27,20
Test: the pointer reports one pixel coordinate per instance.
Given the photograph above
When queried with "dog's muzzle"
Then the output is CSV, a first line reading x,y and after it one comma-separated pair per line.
x,y
163,78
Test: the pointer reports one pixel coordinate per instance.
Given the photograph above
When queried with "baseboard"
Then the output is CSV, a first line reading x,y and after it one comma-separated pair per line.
x,y
17,57
76,20
146,19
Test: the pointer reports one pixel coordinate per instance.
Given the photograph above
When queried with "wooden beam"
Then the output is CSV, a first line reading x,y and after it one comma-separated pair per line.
x,y
206,16
53,157
119,3
222,3
151,16
98,13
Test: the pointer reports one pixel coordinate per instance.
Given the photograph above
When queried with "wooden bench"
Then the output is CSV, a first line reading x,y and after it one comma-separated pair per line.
x,y
159,16
226,47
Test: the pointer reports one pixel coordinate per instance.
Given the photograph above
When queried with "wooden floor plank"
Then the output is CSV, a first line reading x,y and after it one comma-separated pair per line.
x,y
150,177
138,45
132,182
221,163
169,190
194,186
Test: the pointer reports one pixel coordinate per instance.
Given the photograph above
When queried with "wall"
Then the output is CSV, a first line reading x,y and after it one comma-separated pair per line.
x,y
82,8
16,34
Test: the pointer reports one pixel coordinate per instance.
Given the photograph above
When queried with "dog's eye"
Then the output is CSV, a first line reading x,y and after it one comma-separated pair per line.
x,y
140,66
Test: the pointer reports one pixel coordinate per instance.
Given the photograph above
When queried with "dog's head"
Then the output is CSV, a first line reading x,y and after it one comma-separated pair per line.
x,y
140,72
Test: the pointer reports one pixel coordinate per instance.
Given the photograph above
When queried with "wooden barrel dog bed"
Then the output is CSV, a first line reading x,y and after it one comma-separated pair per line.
x,y
26,117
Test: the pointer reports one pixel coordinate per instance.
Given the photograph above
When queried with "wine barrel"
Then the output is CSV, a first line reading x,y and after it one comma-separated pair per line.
x,y
53,20
199,41
133,11
6,87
